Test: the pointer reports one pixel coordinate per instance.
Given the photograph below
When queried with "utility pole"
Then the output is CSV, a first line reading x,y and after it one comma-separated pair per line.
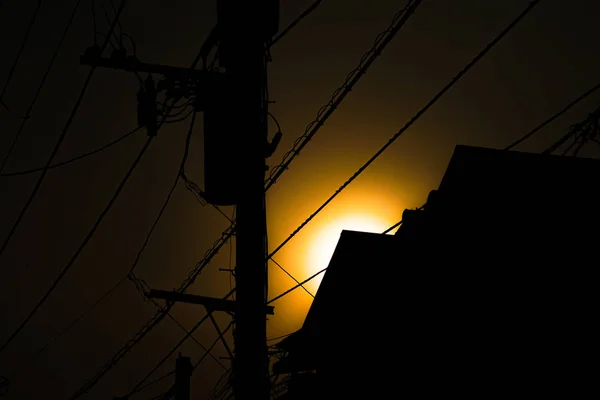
x,y
246,27
183,372
234,103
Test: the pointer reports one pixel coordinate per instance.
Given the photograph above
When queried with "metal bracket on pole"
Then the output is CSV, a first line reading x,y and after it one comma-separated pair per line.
x,y
178,81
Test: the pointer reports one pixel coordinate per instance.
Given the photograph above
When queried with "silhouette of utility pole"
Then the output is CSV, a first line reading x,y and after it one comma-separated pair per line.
x,y
234,103
183,372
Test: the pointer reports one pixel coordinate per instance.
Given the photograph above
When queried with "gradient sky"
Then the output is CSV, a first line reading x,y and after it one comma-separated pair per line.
x,y
548,60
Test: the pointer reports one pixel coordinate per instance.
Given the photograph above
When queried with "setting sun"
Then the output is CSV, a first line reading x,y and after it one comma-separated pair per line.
x,y
323,243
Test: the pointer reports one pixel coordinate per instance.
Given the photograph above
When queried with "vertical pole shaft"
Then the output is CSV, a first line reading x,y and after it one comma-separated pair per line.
x,y
244,45
183,372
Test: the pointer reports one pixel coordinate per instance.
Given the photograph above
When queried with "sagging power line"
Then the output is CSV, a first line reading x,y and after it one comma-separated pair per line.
x,y
70,119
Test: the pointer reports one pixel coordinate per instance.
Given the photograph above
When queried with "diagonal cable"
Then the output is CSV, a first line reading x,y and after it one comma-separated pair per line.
x,y
14,67
422,111
89,236
64,132
41,85
77,158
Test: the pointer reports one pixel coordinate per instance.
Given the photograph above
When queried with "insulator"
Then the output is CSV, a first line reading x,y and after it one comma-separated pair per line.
x,y
142,116
146,106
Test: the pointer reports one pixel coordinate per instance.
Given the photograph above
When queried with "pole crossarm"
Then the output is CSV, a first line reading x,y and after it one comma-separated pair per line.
x,y
211,303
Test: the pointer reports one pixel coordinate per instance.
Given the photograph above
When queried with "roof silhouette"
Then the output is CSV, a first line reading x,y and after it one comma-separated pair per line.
x,y
489,285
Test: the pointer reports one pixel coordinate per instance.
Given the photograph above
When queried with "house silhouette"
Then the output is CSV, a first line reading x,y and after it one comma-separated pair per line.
x,y
487,290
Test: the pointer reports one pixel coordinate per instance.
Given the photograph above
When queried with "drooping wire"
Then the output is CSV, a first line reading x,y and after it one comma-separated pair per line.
x,y
422,111
129,275
79,157
175,120
81,247
39,89
168,198
63,135
276,122
161,313
13,67
138,283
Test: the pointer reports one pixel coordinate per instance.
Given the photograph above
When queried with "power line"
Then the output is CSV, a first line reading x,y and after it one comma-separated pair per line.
x,y
164,311
79,157
172,351
16,61
397,224
79,318
81,247
381,42
131,273
295,22
580,98
593,115
581,131
470,65
297,286
391,228
310,278
220,242
171,390
278,337
169,195
554,117
116,286
294,279
147,385
189,334
65,129
39,89
143,332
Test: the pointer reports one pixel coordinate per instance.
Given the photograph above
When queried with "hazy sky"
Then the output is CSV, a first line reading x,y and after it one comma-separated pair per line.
x,y
548,60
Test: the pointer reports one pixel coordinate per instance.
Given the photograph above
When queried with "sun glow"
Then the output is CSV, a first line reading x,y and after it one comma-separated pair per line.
x,y
323,243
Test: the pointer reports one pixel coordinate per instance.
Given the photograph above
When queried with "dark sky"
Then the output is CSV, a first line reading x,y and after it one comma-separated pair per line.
x,y
548,60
